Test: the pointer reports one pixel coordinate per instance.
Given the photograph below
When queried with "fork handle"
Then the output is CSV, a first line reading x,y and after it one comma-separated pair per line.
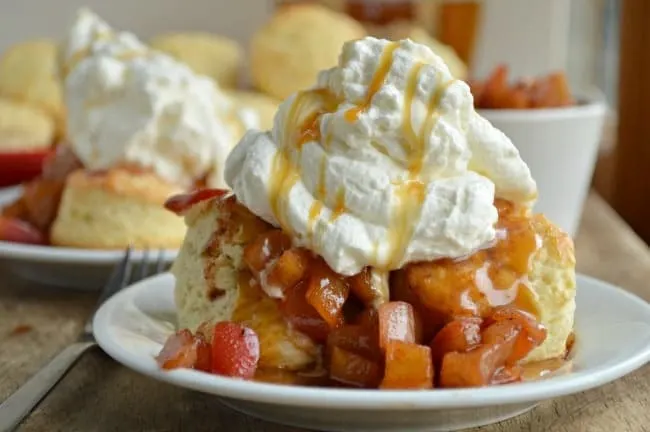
x,y
27,397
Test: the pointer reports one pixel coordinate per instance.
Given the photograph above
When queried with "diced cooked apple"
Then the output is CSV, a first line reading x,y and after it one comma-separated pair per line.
x,y
396,322
506,375
352,369
18,231
181,203
302,315
289,269
531,336
407,366
235,350
357,339
477,367
327,293
458,335
183,350
361,286
265,248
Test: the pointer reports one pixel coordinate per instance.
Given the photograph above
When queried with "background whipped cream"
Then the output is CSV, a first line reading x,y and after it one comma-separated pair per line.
x,y
130,105
384,162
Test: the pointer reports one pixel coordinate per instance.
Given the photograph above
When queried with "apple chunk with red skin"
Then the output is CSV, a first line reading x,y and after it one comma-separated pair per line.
x,y
18,231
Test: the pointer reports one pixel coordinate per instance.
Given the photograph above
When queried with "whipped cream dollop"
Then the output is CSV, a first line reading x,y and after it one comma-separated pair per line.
x,y
383,163
129,105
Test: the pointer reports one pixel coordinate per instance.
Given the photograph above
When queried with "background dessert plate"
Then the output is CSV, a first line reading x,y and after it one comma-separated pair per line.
x,y
60,266
613,339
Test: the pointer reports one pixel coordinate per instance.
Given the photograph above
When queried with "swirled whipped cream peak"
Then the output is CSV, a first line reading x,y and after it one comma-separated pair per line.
x,y
129,105
382,163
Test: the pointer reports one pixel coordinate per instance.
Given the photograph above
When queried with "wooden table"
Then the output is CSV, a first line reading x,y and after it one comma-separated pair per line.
x,y
100,395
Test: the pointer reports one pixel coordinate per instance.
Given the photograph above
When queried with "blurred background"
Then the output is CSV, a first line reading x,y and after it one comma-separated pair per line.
x,y
578,37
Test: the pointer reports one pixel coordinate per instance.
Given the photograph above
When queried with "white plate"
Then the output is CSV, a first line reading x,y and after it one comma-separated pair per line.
x,y
613,339
65,267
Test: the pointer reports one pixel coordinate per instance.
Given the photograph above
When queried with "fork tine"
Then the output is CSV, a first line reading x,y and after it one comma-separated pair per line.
x,y
144,265
160,262
115,281
128,270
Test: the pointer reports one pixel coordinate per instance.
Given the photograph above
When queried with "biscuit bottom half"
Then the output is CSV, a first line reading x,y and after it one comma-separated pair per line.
x,y
115,209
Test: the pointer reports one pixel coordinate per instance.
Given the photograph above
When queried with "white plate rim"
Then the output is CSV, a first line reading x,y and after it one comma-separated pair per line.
x,y
61,255
65,255
364,399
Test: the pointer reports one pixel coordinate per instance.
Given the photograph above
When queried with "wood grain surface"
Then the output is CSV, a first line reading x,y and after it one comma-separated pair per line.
x,y
100,395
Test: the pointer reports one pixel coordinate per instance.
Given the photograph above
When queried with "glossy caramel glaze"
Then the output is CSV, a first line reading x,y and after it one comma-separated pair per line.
x,y
299,328
474,285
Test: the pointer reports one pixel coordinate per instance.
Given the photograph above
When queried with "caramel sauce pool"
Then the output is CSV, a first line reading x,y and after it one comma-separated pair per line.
x,y
551,367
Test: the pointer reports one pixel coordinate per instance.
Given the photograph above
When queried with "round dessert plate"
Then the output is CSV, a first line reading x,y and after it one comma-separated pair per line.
x,y
60,266
613,339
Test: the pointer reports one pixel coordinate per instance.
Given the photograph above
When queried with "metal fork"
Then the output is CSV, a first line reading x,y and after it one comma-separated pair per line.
x,y
29,395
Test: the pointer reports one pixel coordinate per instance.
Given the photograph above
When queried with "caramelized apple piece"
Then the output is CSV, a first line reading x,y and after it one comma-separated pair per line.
x,y
327,292
408,366
61,163
503,333
459,335
531,336
396,322
495,88
427,321
368,318
235,350
181,203
551,91
506,375
476,367
16,209
42,197
357,339
15,230
183,350
352,369
302,315
265,248
361,286
289,269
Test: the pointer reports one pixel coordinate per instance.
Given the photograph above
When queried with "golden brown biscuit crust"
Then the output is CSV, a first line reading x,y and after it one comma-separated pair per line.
x,y
115,209
124,182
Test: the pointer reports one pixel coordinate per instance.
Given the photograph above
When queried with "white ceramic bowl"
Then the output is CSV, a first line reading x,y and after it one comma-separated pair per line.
x,y
560,146
613,339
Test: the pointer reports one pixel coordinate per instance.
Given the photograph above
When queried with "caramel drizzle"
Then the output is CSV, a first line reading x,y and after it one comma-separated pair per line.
x,y
412,192
350,115
385,62
339,207
299,130
432,109
317,204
